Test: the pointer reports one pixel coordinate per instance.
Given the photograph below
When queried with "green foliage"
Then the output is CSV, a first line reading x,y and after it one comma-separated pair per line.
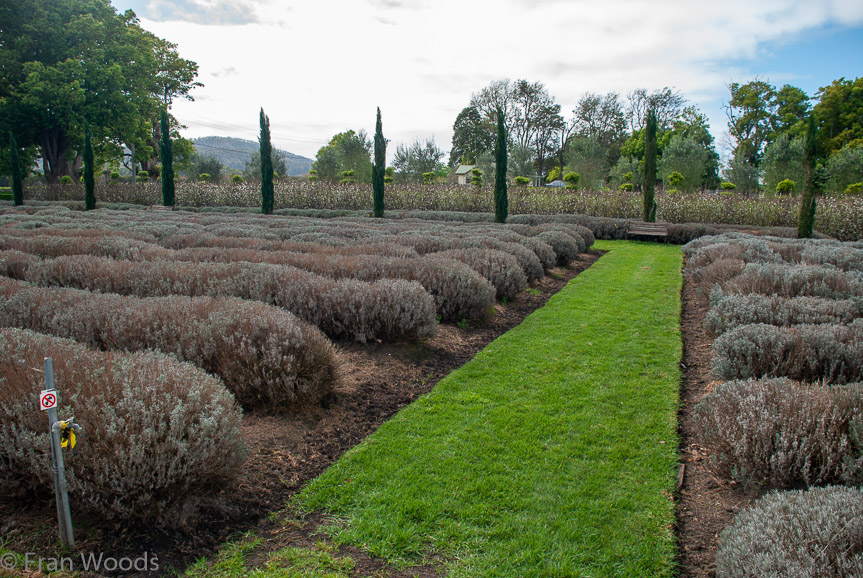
x,y
853,189
625,187
476,177
347,178
726,186
675,179
784,158
346,151
210,165
649,213
428,178
267,173
204,178
571,179
166,154
844,167
252,167
589,158
785,187
501,201
66,180
411,162
115,175
89,176
143,176
521,181
471,137
839,115
313,176
379,168
553,175
237,179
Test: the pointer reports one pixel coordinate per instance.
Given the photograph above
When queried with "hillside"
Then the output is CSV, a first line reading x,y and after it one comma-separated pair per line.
x,y
234,152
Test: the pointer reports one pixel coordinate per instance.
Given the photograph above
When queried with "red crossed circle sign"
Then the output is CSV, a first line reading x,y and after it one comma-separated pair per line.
x,y
48,399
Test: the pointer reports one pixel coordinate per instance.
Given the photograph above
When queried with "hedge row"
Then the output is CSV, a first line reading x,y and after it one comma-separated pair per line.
x,y
501,269
388,309
782,433
832,353
266,356
731,311
814,533
185,420
796,280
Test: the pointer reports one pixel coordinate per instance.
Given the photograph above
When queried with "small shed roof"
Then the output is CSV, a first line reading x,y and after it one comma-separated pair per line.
x,y
464,169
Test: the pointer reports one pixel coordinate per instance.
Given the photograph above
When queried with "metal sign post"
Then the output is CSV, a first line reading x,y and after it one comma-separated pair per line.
x,y
48,401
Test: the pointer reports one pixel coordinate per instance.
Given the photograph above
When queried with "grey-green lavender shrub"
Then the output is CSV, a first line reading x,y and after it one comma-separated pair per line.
x,y
796,280
501,269
266,356
731,311
832,353
782,433
160,436
343,308
533,268
566,249
814,533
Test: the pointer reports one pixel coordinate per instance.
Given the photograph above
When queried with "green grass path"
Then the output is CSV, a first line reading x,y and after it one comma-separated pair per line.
x,y
552,453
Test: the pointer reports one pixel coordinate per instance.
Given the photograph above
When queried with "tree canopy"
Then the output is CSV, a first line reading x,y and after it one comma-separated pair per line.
x,y
65,62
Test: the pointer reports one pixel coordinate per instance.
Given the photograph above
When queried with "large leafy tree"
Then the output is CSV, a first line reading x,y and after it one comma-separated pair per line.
x,y
784,158
751,119
421,156
839,115
67,61
470,138
346,151
666,104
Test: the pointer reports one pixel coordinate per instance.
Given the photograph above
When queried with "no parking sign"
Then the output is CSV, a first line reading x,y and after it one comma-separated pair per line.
x,y
48,399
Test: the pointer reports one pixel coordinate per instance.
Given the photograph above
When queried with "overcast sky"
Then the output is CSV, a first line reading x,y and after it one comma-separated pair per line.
x,y
319,67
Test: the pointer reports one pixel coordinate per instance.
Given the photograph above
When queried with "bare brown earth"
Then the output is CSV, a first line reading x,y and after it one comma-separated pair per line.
x,y
706,503
286,451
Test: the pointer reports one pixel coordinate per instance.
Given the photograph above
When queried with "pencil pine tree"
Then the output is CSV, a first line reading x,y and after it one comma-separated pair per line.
x,y
89,177
806,218
649,214
17,179
166,153
379,168
266,166
501,202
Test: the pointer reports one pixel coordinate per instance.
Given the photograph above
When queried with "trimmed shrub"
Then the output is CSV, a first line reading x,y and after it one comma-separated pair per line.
x,y
785,187
814,533
778,432
237,179
521,181
565,247
571,179
731,311
185,419
204,178
391,309
625,187
66,180
796,280
501,269
853,189
266,356
726,186
832,353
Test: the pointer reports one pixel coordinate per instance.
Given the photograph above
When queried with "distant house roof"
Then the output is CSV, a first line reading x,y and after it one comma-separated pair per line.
x,y
464,169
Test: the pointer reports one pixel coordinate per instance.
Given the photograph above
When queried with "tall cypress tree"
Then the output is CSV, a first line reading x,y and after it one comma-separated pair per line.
x,y
649,215
166,153
501,202
89,177
379,168
266,166
17,179
806,218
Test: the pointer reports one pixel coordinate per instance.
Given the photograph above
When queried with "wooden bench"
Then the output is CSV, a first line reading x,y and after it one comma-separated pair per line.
x,y
642,229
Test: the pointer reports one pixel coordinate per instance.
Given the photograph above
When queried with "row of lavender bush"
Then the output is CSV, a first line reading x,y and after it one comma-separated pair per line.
x,y
839,217
789,309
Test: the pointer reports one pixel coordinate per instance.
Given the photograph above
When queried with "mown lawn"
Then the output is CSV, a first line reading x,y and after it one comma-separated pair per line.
x,y
552,453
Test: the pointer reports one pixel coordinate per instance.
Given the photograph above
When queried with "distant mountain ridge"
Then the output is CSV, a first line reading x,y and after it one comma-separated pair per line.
x,y
234,152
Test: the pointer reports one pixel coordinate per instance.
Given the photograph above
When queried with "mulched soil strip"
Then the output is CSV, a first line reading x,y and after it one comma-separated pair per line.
x,y
706,504
286,452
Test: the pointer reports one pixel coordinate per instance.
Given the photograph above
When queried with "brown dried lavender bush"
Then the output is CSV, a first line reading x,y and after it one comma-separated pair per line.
x,y
775,431
266,356
15,263
731,311
387,309
160,436
814,533
501,269
832,353
103,246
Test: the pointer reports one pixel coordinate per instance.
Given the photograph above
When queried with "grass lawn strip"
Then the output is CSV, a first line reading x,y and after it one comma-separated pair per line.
x,y
551,453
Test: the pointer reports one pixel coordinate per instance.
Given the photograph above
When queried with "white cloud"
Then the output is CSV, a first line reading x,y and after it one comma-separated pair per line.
x,y
318,68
